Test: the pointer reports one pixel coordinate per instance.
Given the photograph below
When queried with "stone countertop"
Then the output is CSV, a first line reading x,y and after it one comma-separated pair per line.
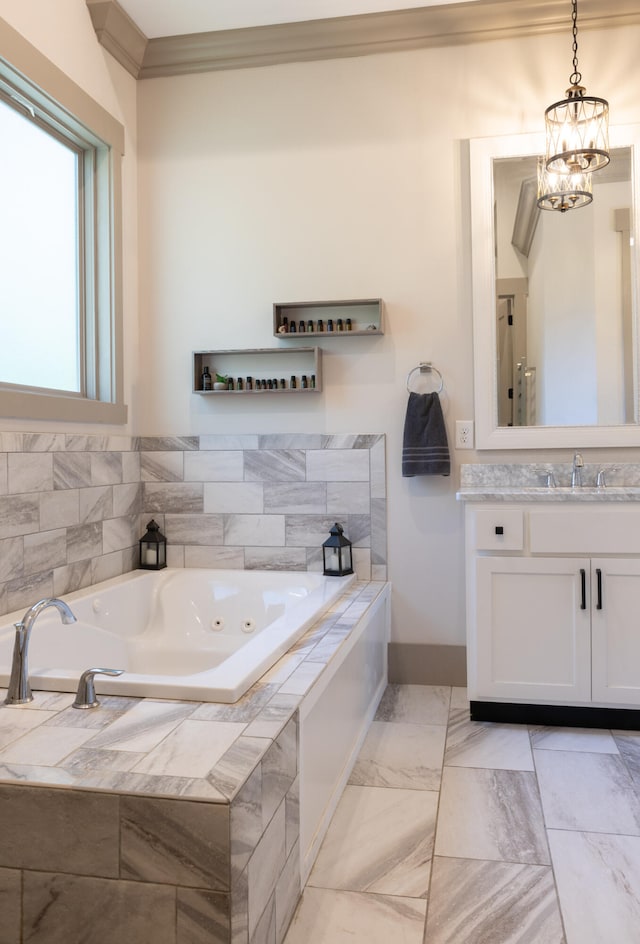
x,y
519,493
157,747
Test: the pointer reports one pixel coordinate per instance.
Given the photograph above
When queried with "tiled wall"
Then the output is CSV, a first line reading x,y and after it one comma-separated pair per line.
x,y
72,508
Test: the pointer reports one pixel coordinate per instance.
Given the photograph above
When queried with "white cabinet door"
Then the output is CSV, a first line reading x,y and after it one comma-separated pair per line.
x,y
615,613
533,625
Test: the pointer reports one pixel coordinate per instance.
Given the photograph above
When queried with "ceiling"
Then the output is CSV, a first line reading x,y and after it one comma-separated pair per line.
x,y
154,38
170,18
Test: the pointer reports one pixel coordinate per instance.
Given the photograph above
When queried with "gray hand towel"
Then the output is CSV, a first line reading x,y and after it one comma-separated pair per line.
x,y
425,449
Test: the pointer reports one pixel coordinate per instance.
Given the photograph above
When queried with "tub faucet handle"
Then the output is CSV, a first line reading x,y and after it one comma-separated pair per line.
x,y
86,694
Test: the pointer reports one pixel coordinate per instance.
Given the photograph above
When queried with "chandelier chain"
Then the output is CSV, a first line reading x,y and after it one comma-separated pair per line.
x,y
576,77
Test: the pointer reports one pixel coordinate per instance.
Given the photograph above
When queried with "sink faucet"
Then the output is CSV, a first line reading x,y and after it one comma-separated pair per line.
x,y
19,690
576,472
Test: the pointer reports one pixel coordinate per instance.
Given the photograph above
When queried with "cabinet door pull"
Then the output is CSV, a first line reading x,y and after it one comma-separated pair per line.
x,y
599,583
583,585
499,529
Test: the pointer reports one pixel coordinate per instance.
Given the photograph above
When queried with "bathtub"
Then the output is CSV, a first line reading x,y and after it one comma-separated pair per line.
x,y
194,634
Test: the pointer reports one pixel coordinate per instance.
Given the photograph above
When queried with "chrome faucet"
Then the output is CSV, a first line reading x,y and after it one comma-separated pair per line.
x,y
19,690
576,472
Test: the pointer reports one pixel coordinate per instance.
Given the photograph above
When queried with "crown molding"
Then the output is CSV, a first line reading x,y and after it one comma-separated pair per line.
x,y
338,37
119,35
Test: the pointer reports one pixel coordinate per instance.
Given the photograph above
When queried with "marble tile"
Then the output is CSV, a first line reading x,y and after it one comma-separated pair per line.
x,y
591,740
379,841
109,565
273,716
162,466
15,722
70,826
190,750
234,767
12,557
459,698
143,727
328,917
246,821
628,744
60,908
229,441
400,755
279,770
220,558
592,792
292,498
173,497
255,530
290,441
49,745
106,468
234,498
72,470
265,866
203,917
292,815
494,902
19,515
10,905
95,503
358,529
85,761
218,466
338,465
244,710
57,510
21,592
30,472
287,892
275,558
302,678
194,529
598,879
120,533
75,576
307,531
491,814
480,744
176,842
379,530
265,930
126,499
415,704
378,470
84,541
275,465
167,443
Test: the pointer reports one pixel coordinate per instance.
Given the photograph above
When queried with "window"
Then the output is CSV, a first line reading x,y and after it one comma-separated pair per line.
x,y
60,245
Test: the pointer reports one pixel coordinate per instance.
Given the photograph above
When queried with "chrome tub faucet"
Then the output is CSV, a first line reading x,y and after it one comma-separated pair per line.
x,y
19,690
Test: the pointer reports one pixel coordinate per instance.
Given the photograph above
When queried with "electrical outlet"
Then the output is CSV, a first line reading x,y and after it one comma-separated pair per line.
x,y
464,434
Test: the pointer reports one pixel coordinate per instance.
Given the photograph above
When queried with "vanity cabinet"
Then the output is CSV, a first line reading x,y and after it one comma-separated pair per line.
x,y
553,599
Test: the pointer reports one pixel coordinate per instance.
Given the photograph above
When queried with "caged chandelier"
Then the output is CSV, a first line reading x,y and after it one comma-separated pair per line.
x,y
577,128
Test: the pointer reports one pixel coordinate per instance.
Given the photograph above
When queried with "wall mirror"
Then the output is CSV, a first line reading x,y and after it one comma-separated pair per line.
x,y
555,301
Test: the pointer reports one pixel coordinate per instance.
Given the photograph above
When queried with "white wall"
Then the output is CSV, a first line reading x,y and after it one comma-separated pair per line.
x,y
321,180
62,31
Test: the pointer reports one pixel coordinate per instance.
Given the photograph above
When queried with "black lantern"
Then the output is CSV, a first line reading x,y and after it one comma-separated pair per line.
x,y
336,553
153,548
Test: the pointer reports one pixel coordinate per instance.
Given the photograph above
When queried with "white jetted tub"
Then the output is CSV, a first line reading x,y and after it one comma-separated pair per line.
x,y
203,635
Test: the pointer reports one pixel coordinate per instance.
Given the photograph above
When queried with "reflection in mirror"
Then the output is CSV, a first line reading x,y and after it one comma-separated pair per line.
x,y
554,299
563,300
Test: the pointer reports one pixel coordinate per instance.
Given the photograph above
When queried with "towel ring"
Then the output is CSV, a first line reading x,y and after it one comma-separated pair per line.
x,y
426,367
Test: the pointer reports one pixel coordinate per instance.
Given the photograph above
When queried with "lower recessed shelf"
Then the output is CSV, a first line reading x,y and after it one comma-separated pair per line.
x,y
256,371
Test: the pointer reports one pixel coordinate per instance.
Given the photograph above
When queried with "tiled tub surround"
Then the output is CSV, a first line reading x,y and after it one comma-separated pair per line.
x,y
177,822
72,507
267,502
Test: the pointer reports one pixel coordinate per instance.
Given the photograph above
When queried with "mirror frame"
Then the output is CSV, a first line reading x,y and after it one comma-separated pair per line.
x,y
482,152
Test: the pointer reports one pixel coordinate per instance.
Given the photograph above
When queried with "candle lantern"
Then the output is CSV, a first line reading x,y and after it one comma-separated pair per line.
x,y
336,553
153,548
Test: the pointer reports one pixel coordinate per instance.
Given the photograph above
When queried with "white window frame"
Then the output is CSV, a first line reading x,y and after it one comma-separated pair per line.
x,y
30,80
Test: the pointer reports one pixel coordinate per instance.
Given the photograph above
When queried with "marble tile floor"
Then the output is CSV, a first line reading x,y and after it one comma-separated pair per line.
x,y
458,832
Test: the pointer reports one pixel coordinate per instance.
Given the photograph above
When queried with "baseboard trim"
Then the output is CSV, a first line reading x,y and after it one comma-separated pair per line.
x,y
570,716
421,664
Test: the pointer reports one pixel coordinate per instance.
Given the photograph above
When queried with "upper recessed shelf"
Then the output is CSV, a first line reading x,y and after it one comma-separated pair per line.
x,y
350,317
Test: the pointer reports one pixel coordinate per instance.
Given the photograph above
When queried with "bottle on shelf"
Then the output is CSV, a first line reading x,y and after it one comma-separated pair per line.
x,y
249,383
313,381
292,328
239,384
292,383
329,324
283,383
309,325
348,324
207,382
301,327
303,382
320,325
339,324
